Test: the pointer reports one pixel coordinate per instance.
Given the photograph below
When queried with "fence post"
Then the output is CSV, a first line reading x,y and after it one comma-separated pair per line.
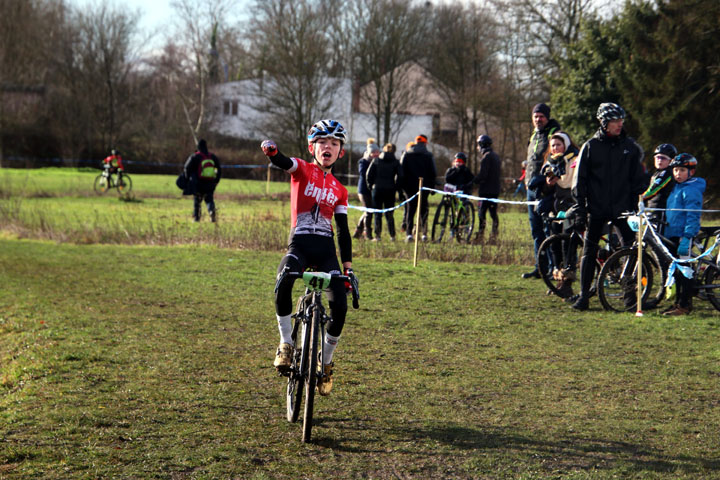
x,y
417,221
641,231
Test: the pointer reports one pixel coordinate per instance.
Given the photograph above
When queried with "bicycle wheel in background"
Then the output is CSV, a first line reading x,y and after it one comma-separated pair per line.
x,y
711,282
295,380
124,185
465,223
617,282
101,184
443,217
563,255
311,373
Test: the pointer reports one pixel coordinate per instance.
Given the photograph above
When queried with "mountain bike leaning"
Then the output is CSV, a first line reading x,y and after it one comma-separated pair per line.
x,y
308,328
454,215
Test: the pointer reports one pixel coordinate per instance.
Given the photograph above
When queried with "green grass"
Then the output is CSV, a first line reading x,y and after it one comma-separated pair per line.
x,y
135,344
149,362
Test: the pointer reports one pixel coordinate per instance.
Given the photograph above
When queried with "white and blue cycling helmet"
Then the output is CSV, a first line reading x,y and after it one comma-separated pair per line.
x,y
327,129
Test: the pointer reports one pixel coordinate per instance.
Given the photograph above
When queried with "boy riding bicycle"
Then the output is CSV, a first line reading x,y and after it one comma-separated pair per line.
x,y
315,196
113,164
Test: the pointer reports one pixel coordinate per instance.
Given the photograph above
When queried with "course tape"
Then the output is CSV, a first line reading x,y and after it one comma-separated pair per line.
x,y
681,264
457,194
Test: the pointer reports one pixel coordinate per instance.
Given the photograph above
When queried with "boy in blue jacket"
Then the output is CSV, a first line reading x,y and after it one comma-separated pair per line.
x,y
683,223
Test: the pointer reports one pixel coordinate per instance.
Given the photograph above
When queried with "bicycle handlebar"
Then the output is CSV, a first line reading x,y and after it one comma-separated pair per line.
x,y
351,279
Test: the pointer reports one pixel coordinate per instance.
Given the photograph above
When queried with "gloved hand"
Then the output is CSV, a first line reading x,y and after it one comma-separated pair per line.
x,y
350,285
684,247
269,148
560,215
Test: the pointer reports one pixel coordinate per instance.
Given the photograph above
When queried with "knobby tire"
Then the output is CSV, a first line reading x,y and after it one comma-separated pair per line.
x,y
617,282
295,380
560,242
440,223
465,223
311,374
101,184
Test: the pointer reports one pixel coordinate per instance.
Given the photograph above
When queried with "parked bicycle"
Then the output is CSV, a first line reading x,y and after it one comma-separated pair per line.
x,y
309,320
617,282
560,256
454,214
105,181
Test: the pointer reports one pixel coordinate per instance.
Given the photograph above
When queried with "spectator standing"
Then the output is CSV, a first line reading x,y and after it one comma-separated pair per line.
x,y
488,181
537,146
610,177
364,226
661,184
202,170
384,177
683,223
417,162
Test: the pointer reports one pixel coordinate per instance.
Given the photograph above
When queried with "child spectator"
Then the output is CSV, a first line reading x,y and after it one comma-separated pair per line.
x,y
459,175
661,184
683,223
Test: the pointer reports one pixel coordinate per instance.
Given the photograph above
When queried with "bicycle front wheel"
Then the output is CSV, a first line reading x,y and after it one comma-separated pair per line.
x,y
562,252
711,284
617,282
101,184
295,380
311,374
443,215
124,184
465,223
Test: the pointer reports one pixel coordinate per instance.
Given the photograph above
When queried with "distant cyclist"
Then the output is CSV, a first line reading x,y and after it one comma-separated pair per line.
x,y
315,197
113,164
202,170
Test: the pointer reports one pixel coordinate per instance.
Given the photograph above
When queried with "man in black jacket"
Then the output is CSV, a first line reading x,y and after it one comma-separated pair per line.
x,y
610,177
488,180
203,172
418,163
545,127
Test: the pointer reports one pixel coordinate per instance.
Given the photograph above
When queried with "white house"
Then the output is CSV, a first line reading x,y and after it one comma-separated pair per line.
x,y
236,112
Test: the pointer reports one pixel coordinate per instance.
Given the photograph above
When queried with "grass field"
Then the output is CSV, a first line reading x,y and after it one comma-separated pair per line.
x,y
152,359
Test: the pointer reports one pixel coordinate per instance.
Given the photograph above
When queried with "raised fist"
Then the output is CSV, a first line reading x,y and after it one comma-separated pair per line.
x,y
269,148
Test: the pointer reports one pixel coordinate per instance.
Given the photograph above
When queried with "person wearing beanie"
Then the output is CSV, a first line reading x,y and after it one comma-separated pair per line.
x,y
537,146
202,171
488,182
364,226
610,176
384,177
417,162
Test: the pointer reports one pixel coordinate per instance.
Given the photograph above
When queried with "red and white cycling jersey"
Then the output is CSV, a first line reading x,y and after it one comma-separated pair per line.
x,y
315,196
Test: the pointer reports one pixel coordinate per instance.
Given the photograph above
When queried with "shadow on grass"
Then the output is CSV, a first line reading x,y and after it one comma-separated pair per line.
x,y
564,454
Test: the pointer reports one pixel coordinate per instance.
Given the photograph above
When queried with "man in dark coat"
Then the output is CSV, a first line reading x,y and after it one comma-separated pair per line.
x,y
537,146
202,171
610,177
418,162
488,181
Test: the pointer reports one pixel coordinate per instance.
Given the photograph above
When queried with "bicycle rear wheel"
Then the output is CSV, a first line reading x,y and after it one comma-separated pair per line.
x,y
465,223
563,253
295,380
101,184
124,184
311,374
443,215
711,285
617,282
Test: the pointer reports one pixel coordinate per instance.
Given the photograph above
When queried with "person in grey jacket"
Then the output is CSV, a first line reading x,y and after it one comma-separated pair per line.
x,y
383,177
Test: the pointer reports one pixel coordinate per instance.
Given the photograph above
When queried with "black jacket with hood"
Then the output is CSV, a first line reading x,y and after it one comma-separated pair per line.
x,y
610,175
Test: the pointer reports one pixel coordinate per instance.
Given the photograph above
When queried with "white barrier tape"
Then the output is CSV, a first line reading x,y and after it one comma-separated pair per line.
x,y
680,210
377,210
472,197
461,195
676,263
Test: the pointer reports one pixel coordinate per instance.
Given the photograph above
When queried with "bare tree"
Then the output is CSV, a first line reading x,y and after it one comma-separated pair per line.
x,y
385,36
201,22
293,53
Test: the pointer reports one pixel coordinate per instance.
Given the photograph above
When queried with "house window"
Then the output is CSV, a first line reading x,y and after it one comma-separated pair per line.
x,y
230,107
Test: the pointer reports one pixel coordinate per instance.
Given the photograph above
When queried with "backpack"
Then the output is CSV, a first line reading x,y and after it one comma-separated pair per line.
x,y
206,169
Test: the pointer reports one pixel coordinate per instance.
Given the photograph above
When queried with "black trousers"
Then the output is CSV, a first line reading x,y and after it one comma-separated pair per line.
x,y
595,228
